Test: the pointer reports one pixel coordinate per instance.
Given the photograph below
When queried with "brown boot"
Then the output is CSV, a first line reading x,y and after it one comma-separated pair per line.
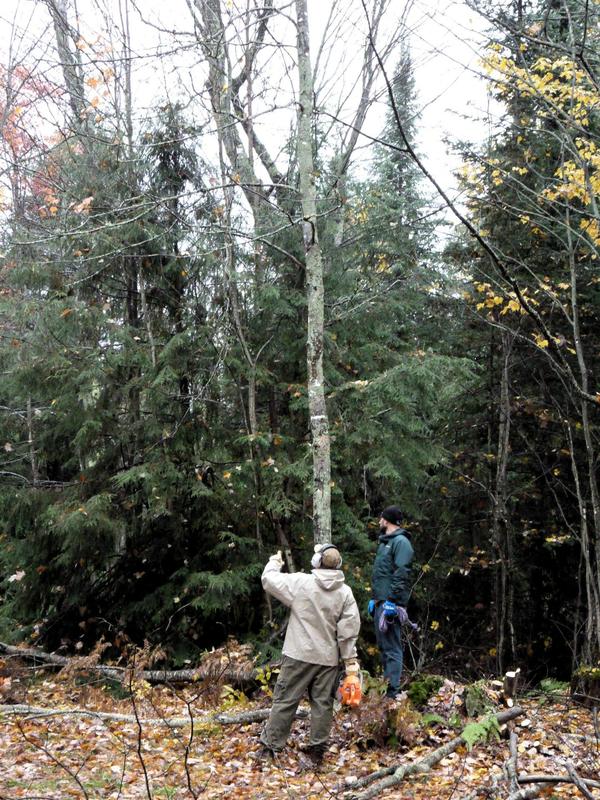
x,y
263,757
313,756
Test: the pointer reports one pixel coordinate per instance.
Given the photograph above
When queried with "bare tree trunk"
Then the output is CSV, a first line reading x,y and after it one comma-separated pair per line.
x,y
590,584
70,61
319,422
147,322
592,648
228,72
35,477
501,536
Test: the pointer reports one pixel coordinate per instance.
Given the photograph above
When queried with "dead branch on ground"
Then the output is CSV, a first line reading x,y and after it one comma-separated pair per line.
x,y
392,776
235,676
222,718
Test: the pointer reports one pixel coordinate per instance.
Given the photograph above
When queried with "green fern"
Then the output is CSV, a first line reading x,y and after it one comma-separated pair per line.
x,y
483,731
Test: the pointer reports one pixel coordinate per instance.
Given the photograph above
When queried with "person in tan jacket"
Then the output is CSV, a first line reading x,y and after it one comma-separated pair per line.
x,y
323,627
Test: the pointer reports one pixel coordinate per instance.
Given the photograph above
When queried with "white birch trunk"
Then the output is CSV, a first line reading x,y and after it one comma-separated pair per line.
x,y
319,423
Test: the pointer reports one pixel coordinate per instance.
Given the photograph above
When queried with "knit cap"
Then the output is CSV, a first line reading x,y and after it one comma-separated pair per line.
x,y
393,514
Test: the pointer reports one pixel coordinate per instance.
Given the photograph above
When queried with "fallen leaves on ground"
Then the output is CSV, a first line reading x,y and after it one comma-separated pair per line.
x,y
66,756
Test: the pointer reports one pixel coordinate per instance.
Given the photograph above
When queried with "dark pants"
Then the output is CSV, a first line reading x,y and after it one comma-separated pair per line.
x,y
294,679
390,649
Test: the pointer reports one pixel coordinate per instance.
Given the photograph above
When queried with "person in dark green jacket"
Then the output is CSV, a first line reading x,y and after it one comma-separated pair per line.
x,y
391,586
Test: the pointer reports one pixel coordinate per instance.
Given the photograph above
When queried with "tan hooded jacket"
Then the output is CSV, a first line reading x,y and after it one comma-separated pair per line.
x,y
324,620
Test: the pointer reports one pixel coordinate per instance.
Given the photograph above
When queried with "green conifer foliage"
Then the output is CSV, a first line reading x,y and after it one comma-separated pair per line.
x,y
153,386
536,421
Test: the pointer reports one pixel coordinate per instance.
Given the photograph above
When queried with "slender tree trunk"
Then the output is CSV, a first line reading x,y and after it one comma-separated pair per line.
x,y
147,322
70,61
133,321
590,585
35,476
319,422
501,536
232,115
592,648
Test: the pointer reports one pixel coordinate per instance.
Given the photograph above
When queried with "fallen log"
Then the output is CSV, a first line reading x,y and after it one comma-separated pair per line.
x,y
543,782
534,778
578,781
511,763
392,776
38,712
246,717
222,718
230,674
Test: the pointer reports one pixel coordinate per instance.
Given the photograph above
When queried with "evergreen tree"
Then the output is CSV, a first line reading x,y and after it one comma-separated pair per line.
x,y
538,427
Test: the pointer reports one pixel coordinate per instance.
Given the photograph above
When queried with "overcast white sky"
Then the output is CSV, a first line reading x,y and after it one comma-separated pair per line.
x,y
445,39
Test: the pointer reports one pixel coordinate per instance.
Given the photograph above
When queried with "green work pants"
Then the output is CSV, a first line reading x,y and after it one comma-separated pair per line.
x,y
296,677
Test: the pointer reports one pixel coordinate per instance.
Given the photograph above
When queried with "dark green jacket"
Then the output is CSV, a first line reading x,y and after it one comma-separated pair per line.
x,y
391,570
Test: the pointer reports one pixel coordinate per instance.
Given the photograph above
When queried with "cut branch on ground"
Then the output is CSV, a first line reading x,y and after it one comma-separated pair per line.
x,y
394,775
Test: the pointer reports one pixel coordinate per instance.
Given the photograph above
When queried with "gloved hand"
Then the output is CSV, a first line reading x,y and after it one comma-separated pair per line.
x,y
276,560
390,610
371,607
402,615
352,666
315,561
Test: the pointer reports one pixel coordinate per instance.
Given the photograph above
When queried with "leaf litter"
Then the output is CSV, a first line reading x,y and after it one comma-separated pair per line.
x,y
64,756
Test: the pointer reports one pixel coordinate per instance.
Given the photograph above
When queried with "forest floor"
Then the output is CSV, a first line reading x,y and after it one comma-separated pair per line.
x,y
68,755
